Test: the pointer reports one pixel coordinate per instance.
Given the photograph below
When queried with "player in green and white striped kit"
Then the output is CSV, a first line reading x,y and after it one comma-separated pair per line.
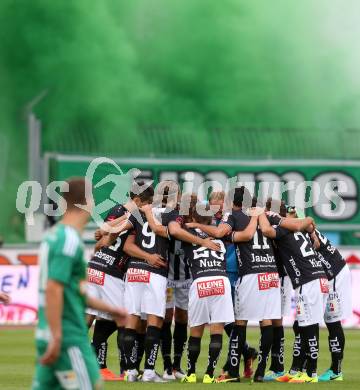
x,y
65,359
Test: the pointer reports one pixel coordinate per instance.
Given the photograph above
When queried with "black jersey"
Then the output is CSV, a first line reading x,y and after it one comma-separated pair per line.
x,y
331,258
179,271
255,256
111,259
151,243
279,263
299,259
204,262
275,219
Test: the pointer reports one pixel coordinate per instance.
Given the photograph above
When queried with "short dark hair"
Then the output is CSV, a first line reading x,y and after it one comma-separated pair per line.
x,y
145,195
203,219
273,204
77,192
242,197
282,209
268,204
190,199
166,190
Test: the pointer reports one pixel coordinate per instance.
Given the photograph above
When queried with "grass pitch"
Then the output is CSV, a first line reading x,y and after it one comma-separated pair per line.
x,y
17,359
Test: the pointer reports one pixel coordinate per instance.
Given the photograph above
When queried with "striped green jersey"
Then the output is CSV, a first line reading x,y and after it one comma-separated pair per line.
x,y
62,259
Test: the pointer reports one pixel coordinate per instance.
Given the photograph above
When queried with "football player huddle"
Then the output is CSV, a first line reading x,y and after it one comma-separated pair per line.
x,y
167,257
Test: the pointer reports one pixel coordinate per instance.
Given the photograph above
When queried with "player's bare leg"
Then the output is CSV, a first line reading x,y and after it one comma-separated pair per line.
x,y
90,318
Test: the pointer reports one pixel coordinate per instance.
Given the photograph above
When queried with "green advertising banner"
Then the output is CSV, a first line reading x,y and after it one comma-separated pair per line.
x,y
326,189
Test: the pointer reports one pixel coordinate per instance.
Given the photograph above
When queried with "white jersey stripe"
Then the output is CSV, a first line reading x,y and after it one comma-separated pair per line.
x,y
71,242
79,366
76,368
84,369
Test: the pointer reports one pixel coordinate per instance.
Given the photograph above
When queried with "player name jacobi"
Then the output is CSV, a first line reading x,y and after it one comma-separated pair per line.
x,y
262,259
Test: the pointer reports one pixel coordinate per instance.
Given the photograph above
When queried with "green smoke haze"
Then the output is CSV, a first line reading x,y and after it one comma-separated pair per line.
x,y
120,75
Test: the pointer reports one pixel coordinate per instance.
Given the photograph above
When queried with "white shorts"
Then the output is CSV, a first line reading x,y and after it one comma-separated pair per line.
x,y
145,293
338,304
286,294
258,297
210,301
177,297
106,288
310,302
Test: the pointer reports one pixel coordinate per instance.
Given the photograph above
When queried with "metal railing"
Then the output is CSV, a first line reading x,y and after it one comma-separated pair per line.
x,y
217,142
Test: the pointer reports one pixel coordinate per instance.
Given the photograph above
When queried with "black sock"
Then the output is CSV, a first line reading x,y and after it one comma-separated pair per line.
x,y
228,328
336,345
166,339
226,366
277,350
180,337
102,331
214,352
140,348
152,343
299,356
236,345
311,336
194,345
130,348
120,344
264,349
246,351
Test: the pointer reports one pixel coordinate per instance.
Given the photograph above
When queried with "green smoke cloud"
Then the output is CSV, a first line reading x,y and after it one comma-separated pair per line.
x,y
115,70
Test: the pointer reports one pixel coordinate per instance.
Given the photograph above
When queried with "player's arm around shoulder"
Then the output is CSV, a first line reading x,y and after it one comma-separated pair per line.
x,y
266,228
154,224
181,234
133,250
220,231
298,224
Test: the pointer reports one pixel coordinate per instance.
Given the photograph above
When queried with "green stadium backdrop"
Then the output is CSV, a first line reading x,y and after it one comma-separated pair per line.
x,y
247,79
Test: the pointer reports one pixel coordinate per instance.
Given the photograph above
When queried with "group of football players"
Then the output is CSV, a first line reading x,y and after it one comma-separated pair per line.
x,y
167,257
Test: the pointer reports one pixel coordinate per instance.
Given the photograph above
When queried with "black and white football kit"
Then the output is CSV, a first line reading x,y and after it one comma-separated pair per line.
x,y
311,288
145,287
306,273
210,298
107,269
106,273
257,292
179,277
